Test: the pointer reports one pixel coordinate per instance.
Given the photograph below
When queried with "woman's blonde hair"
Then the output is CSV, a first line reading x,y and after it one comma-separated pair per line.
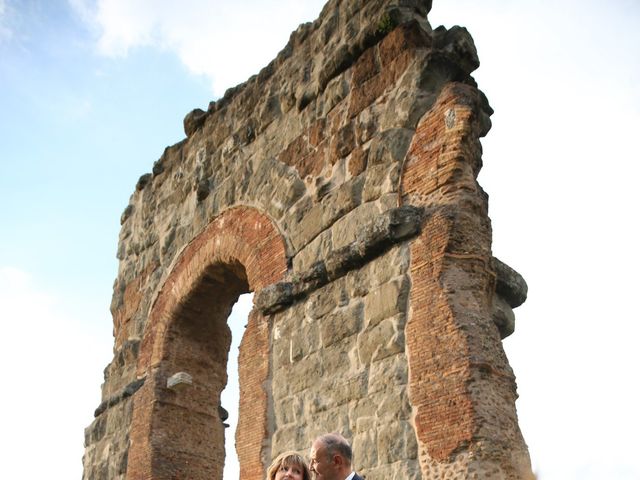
x,y
288,459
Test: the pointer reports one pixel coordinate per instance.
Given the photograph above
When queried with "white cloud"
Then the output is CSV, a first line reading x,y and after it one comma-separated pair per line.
x,y
224,41
49,364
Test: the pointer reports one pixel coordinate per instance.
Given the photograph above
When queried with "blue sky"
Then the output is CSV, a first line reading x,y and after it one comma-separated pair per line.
x,y
91,91
79,128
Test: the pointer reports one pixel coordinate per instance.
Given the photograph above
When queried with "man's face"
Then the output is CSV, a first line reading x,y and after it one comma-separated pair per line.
x,y
320,464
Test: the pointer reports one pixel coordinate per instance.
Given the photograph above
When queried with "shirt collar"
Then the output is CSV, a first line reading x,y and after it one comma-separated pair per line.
x,y
351,475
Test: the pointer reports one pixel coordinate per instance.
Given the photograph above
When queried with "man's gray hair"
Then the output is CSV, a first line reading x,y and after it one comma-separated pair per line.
x,y
336,443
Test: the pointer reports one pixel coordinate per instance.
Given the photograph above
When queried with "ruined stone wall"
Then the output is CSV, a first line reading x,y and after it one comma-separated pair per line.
x,y
339,184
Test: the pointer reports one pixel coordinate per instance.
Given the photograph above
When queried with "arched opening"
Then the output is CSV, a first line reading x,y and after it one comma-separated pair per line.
x,y
188,418
231,394
176,426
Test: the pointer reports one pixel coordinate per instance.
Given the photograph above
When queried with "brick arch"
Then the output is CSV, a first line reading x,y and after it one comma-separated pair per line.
x,y
178,433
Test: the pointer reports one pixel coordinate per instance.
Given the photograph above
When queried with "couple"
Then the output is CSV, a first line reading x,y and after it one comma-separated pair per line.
x,y
330,459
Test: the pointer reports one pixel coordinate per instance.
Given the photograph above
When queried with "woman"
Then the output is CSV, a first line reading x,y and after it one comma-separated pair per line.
x,y
288,466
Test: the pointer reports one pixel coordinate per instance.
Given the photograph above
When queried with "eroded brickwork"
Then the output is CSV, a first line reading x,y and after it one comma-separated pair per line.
x,y
462,389
339,184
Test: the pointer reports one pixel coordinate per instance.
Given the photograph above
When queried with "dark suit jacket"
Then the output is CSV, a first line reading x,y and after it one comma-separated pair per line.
x,y
357,477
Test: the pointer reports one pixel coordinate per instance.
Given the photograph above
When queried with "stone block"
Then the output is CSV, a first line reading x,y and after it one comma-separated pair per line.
x,y
305,373
390,372
285,193
273,297
503,316
280,345
458,46
287,437
346,388
381,340
509,284
405,110
337,62
179,381
341,324
294,336
337,89
390,146
365,424
345,231
332,420
391,264
316,400
339,359
365,67
342,200
193,121
364,407
396,442
343,142
365,444
380,179
285,410
357,161
306,340
386,301
358,282
268,112
315,251
322,302
393,405
367,124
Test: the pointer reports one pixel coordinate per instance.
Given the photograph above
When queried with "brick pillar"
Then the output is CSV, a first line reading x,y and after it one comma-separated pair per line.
x,y
462,389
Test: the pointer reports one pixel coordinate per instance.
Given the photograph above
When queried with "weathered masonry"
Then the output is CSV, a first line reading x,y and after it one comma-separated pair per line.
x,y
339,185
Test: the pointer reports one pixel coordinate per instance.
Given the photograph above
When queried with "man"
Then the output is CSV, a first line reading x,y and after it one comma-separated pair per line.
x,y
330,458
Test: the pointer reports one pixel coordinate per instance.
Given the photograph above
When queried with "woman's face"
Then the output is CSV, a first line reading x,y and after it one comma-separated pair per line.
x,y
289,472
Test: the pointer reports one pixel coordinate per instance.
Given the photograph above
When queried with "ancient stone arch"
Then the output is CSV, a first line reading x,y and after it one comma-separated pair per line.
x,y
338,184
